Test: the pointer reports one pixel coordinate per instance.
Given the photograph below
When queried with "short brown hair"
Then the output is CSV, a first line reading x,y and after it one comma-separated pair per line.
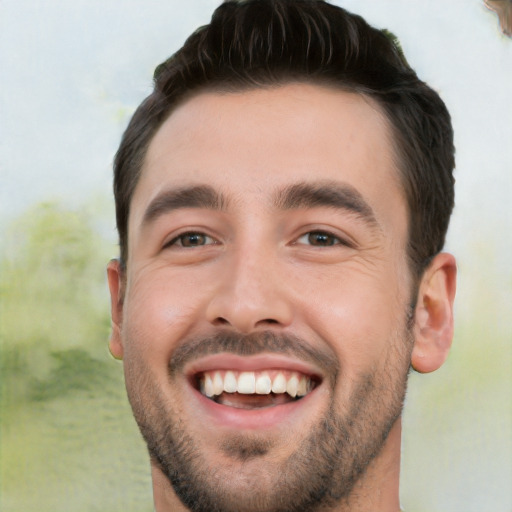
x,y
260,43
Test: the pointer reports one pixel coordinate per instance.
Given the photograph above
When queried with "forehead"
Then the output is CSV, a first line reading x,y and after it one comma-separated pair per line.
x,y
249,144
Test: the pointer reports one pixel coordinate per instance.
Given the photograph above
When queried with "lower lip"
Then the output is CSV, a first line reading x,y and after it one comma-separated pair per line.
x,y
253,419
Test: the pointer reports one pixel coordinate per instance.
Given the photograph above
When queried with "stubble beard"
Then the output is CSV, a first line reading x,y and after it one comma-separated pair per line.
x,y
321,472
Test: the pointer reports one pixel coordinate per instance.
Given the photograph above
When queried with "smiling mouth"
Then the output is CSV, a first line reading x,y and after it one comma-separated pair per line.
x,y
254,389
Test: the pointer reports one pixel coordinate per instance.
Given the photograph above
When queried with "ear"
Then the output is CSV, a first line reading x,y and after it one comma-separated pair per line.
x,y
115,284
433,320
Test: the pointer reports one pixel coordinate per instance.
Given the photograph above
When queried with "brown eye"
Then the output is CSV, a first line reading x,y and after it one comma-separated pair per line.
x,y
322,239
319,239
191,240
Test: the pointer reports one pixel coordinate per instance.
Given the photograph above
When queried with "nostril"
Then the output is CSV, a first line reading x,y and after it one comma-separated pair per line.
x,y
220,321
244,311
223,322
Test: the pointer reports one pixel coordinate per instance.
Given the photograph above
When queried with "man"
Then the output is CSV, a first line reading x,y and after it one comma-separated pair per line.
x,y
282,200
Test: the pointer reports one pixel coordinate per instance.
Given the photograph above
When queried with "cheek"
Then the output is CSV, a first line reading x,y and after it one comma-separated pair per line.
x,y
358,315
160,309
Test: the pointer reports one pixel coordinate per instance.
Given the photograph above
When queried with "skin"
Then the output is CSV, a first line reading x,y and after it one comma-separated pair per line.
x,y
257,270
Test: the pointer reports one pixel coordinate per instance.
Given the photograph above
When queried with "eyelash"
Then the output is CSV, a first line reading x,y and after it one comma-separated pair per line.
x,y
333,239
178,240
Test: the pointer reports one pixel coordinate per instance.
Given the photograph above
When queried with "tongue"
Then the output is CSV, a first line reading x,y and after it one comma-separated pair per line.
x,y
241,401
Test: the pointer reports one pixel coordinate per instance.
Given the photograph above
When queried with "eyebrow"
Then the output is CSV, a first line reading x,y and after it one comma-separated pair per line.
x,y
200,196
297,196
326,194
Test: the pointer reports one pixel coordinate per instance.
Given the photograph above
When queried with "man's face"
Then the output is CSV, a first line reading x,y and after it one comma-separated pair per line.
x,y
265,311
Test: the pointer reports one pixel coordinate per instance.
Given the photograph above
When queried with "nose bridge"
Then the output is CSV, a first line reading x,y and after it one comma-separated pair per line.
x,y
250,295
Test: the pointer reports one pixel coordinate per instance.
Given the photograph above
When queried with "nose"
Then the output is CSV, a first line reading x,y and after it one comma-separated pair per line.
x,y
252,294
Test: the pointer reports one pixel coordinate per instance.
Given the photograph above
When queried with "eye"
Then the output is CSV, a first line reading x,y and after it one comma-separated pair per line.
x,y
191,239
320,239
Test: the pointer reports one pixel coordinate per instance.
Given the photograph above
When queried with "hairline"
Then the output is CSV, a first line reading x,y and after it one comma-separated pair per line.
x,y
228,86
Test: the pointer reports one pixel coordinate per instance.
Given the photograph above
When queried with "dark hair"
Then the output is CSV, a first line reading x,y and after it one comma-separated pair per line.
x,y
260,43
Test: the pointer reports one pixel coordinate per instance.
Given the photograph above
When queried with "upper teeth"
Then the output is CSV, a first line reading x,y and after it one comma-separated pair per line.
x,y
261,383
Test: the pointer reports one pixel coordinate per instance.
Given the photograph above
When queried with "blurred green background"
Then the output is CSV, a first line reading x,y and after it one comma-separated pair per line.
x,y
72,73
67,440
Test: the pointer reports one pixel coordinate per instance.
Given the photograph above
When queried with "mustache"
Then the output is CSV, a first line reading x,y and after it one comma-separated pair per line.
x,y
254,344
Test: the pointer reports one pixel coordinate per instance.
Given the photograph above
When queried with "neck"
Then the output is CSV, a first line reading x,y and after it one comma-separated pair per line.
x,y
164,497
377,489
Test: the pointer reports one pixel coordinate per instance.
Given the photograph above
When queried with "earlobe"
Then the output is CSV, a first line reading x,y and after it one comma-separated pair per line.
x,y
115,284
434,314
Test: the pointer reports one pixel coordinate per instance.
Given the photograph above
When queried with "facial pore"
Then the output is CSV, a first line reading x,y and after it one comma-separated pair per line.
x,y
324,467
